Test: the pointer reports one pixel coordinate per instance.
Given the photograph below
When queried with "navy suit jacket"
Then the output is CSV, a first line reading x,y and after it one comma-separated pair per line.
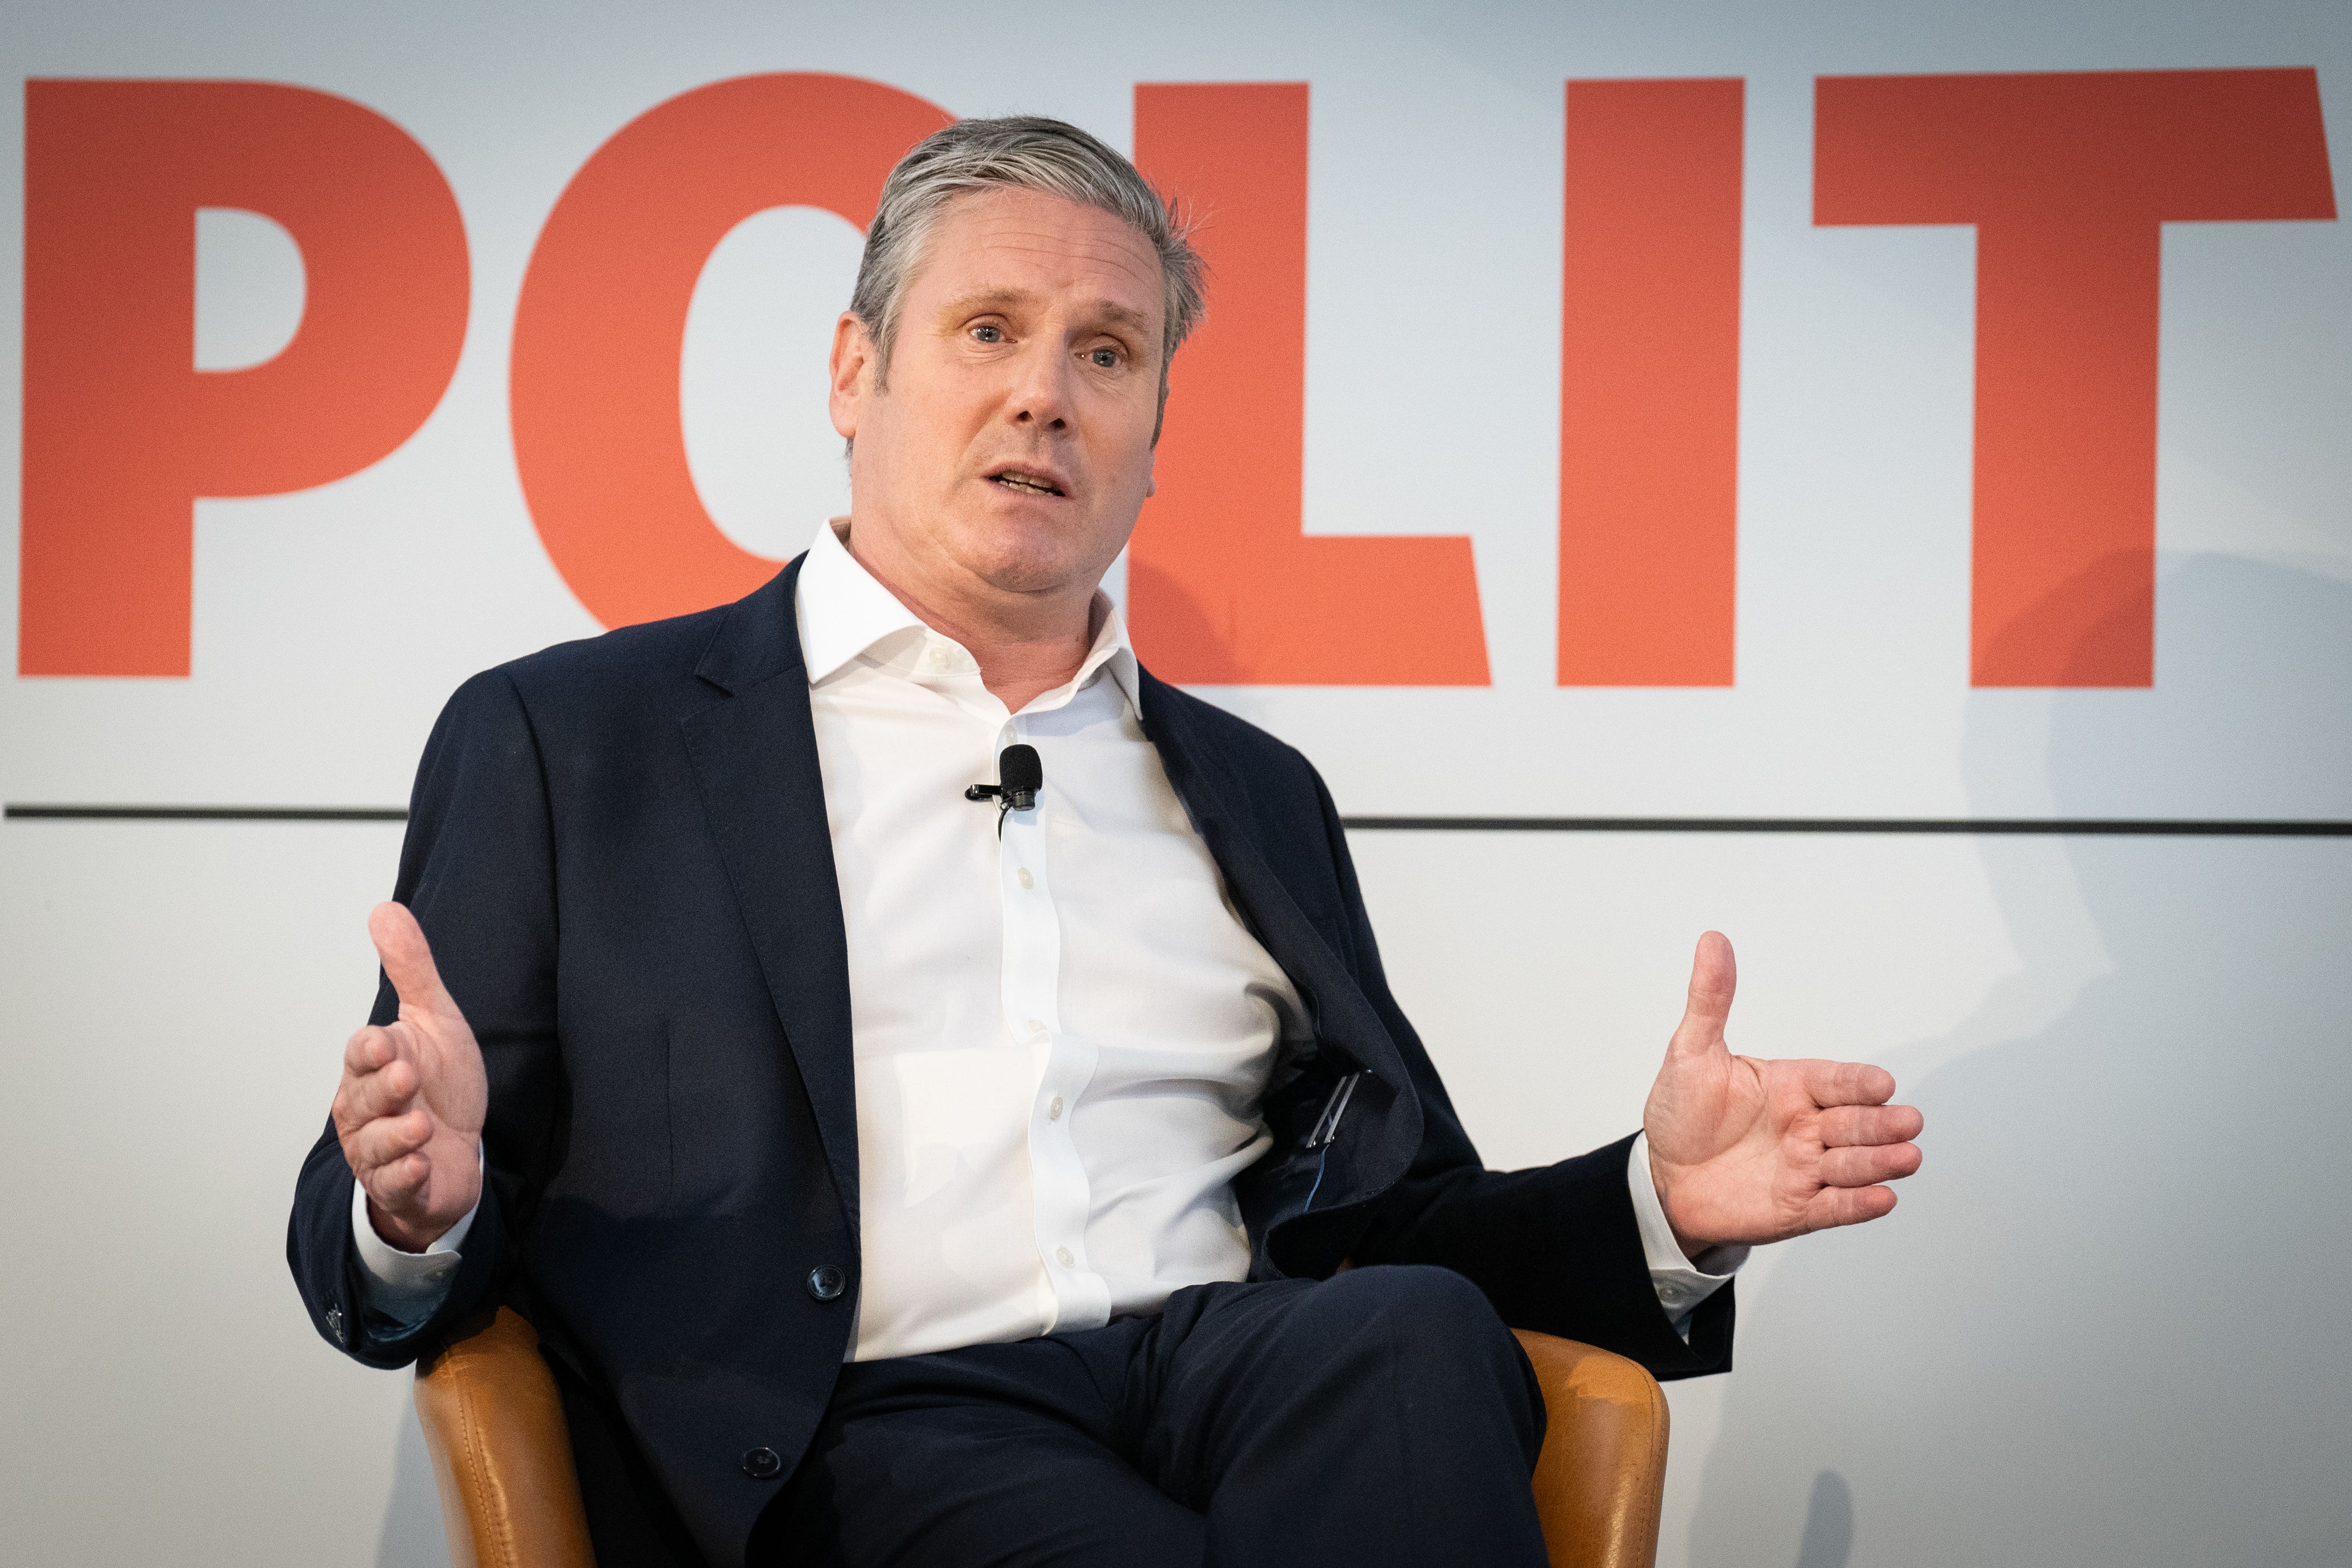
x,y
618,850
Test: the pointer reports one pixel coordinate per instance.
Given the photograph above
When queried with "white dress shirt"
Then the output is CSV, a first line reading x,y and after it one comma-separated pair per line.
x,y
1062,1027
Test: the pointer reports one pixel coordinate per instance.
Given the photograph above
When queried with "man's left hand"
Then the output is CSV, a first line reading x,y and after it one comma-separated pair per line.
x,y
1749,1151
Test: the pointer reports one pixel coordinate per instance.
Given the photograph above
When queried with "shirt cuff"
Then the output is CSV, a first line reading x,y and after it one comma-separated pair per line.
x,y
408,1287
1682,1284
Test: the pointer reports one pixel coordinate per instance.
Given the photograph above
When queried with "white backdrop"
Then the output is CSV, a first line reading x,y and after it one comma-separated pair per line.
x,y
2101,1328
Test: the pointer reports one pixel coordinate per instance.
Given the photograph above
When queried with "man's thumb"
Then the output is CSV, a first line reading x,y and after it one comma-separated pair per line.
x,y
1714,977
407,957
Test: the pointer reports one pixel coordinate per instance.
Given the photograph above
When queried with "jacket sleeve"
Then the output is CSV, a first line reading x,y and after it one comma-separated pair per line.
x,y
478,871
1556,1248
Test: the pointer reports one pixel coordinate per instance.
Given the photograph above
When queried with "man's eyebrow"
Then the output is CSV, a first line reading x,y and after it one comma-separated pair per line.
x,y
1134,319
989,299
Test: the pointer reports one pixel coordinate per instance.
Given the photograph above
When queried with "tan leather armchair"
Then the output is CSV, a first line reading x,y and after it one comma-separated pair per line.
x,y
494,1425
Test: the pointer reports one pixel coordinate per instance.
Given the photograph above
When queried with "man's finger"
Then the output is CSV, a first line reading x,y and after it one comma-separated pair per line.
x,y
368,1050
1867,1167
387,1091
407,958
366,1054
387,1138
394,1185
1849,1206
1714,977
1846,1126
1848,1084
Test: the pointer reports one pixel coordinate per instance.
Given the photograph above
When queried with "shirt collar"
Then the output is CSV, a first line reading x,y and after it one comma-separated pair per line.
x,y
844,613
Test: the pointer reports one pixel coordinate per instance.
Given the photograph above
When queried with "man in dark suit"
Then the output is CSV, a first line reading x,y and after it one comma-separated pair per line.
x,y
898,1179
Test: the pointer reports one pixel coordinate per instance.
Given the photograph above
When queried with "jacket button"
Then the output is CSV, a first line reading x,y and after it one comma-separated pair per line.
x,y
762,1464
825,1282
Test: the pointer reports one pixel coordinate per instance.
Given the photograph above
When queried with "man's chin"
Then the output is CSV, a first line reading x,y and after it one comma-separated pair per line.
x,y
1026,567
1031,577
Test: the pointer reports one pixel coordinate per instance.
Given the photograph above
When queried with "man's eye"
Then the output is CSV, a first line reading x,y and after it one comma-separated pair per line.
x,y
989,334
1105,359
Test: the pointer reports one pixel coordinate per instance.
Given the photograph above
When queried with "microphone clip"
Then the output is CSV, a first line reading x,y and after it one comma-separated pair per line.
x,y
1010,800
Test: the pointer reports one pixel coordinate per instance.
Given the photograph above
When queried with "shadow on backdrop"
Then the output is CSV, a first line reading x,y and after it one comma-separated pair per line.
x,y
2103,1326
412,1536
1828,1540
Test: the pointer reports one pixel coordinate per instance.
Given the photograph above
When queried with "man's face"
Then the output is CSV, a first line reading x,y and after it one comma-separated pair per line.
x,y
1013,440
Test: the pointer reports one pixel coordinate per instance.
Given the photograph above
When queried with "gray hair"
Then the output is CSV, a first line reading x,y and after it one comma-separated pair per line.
x,y
1025,153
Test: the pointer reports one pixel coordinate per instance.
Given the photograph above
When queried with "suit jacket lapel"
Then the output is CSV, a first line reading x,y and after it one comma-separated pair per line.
x,y
1217,795
755,761
1384,1128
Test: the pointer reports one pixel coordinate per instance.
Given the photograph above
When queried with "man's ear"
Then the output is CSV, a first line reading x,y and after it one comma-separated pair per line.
x,y
851,367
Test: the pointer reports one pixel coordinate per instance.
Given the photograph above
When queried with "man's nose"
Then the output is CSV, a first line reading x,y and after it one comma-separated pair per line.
x,y
1041,388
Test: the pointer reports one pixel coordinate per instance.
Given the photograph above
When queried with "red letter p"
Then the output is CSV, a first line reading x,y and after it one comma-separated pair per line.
x,y
122,433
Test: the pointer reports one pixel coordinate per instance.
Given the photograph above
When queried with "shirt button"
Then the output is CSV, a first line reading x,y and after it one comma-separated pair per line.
x,y
1027,880
1053,1109
1035,1027
826,1283
1062,1256
939,658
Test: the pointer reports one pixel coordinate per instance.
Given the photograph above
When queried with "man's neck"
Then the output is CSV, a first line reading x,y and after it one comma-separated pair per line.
x,y
1025,644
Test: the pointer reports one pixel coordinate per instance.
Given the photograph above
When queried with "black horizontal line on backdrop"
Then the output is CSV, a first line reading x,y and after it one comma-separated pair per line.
x,y
2110,826
213,813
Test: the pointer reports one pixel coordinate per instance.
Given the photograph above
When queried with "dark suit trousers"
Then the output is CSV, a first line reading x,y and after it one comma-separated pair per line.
x,y
1383,1416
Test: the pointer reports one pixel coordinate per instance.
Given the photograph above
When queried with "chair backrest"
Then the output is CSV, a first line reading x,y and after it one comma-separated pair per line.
x,y
494,1425
1602,1477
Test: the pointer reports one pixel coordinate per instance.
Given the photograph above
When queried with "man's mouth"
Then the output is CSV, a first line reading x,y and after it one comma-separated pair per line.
x,y
1024,482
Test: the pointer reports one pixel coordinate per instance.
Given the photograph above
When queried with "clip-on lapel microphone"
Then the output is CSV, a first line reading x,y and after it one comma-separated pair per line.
x,y
1021,773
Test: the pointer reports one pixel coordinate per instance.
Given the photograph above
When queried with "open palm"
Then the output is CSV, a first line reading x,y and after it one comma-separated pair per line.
x,y
1748,1151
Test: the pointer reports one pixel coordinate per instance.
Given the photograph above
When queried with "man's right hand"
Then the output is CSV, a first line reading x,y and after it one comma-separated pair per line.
x,y
409,1110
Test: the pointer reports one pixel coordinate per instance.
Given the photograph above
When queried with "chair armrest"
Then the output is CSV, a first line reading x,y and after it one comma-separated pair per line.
x,y
502,1454
1602,1476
